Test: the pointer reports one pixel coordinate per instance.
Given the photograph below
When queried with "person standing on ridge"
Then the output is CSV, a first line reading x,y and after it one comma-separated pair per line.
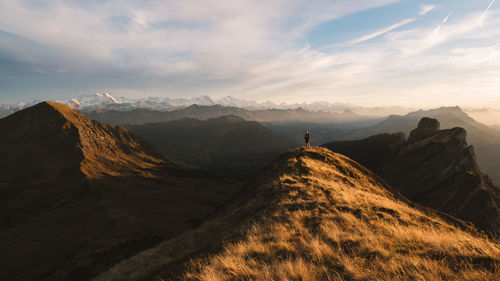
x,y
307,138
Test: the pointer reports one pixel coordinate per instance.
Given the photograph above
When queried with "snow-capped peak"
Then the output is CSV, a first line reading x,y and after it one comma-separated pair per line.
x,y
92,102
111,98
201,100
74,103
107,101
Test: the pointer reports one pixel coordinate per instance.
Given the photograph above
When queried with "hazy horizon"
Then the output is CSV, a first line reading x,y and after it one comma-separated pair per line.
x,y
416,54
262,102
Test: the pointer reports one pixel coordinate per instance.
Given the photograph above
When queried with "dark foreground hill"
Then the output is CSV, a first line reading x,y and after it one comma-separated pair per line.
x,y
486,140
227,145
77,196
436,168
317,215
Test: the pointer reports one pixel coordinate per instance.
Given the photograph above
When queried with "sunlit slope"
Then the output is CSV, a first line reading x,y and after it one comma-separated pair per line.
x,y
317,215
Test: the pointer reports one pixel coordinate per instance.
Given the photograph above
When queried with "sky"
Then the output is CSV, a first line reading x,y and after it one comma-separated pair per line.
x,y
364,52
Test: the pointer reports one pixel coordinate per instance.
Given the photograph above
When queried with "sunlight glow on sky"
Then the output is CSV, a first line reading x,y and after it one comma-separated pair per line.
x,y
365,52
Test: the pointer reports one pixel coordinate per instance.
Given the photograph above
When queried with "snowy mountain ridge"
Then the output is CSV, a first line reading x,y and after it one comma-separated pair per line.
x,y
99,101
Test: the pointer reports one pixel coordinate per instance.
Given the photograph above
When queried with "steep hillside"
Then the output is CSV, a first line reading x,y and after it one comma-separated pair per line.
x,y
228,145
280,116
485,139
436,168
317,215
77,196
52,140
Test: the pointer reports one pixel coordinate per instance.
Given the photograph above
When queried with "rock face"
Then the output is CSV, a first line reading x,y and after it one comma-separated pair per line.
x,y
436,168
77,196
485,139
427,127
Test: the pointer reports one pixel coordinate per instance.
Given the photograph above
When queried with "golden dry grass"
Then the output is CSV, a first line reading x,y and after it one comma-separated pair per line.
x,y
336,221
317,215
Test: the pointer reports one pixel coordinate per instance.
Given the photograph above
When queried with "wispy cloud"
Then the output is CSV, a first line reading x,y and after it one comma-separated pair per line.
x,y
485,13
446,18
377,33
426,68
425,8
199,37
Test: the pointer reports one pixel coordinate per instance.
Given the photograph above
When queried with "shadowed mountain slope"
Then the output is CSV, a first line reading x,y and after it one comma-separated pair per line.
x,y
436,168
50,140
228,145
77,196
316,215
485,139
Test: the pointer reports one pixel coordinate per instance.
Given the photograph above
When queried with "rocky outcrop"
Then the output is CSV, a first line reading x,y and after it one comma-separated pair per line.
x,y
436,168
485,139
427,127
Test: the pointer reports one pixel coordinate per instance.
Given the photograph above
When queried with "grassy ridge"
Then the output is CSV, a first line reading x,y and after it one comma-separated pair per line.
x,y
317,215
336,222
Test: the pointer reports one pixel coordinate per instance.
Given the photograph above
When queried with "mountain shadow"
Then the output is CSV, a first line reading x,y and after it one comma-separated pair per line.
x,y
77,196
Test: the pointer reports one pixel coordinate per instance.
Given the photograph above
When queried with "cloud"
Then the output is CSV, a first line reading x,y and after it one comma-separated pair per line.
x,y
379,32
200,37
469,26
247,49
485,12
425,8
446,18
417,67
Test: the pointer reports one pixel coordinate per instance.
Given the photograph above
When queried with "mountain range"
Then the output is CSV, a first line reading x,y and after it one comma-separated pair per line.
x,y
327,126
485,139
203,112
228,145
106,101
82,200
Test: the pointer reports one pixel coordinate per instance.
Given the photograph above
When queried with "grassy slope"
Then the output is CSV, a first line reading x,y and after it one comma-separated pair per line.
x,y
317,215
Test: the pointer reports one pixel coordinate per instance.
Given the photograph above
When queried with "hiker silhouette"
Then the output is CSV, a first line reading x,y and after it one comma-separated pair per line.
x,y
307,138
